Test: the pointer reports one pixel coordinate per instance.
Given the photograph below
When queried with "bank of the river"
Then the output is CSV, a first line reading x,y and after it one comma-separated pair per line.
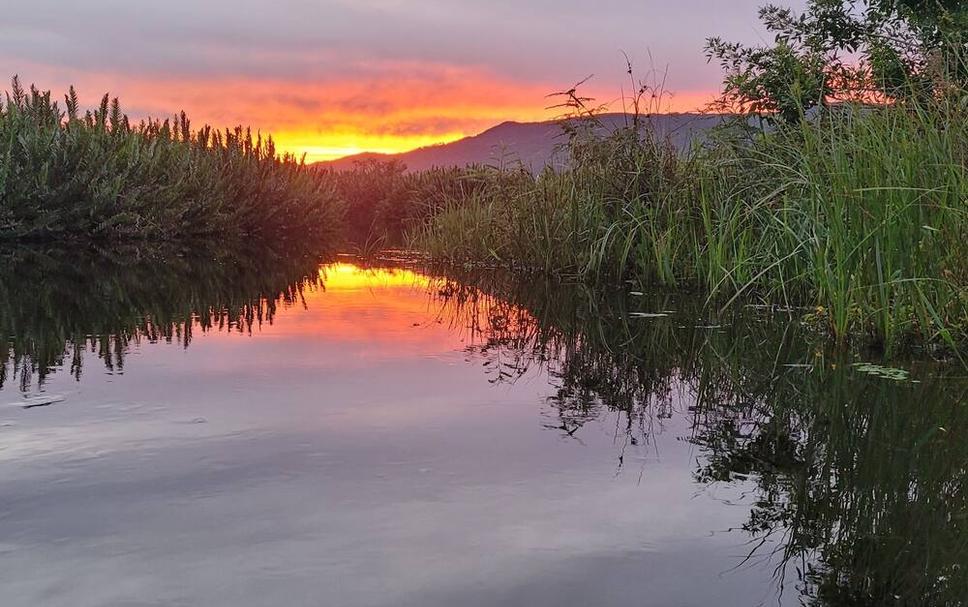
x,y
860,215
66,175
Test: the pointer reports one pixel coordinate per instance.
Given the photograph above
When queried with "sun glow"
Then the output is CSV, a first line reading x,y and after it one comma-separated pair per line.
x,y
352,277
404,131
334,118
317,147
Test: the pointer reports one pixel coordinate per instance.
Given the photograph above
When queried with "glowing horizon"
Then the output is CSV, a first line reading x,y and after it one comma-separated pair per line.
x,y
334,78
333,145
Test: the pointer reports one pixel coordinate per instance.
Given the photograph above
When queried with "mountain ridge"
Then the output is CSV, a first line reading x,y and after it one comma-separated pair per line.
x,y
532,144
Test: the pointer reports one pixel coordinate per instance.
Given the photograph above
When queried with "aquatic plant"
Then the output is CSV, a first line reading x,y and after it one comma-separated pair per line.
x,y
67,174
859,213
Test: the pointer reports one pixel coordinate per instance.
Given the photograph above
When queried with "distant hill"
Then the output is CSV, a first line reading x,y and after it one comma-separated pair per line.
x,y
534,144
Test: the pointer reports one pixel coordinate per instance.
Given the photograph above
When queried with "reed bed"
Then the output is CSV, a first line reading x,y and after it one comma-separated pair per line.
x,y
65,174
859,214
383,199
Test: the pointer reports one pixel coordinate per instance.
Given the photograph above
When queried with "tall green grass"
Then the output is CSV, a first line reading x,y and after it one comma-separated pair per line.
x,y
66,174
859,213
869,220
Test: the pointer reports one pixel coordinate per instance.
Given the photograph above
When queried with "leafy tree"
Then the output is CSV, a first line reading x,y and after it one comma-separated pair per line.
x,y
845,50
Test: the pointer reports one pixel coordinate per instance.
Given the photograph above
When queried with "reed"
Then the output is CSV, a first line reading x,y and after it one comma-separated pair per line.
x,y
65,174
383,200
859,213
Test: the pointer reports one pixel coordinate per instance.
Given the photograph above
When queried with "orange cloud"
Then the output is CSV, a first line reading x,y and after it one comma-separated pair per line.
x,y
395,107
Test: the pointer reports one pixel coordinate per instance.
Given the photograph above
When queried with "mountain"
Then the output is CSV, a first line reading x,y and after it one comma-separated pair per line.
x,y
534,144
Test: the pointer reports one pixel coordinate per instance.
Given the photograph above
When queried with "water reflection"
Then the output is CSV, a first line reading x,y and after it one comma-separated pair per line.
x,y
55,305
852,484
861,494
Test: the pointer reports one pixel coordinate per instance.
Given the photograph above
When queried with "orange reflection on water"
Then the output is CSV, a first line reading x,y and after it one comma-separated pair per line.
x,y
399,299
358,314
345,276
384,313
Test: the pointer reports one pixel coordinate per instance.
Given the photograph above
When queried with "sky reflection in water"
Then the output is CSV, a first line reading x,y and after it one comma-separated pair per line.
x,y
370,446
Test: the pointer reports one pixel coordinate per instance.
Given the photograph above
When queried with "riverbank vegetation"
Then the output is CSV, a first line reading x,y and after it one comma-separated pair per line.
x,y
68,175
840,187
860,215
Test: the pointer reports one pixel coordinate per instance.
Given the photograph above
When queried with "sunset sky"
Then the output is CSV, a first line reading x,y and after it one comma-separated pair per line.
x,y
331,78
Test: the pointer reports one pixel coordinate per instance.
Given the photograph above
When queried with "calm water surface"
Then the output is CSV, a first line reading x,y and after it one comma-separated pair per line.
x,y
244,433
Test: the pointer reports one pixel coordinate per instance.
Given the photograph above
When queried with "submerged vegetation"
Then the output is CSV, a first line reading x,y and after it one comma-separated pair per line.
x,y
68,175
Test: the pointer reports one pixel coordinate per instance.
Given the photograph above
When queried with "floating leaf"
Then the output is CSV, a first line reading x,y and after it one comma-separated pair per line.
x,y
883,372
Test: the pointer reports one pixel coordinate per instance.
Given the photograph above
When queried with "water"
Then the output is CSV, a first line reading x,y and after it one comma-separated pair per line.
x,y
241,430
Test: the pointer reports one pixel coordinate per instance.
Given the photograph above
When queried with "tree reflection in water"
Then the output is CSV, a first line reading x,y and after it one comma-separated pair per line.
x,y
860,478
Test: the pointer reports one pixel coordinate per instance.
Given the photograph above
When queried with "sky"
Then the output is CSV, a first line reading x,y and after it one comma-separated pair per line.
x,y
330,78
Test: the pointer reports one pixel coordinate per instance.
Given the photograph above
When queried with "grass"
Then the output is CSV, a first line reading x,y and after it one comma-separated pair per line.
x,y
383,199
66,175
858,213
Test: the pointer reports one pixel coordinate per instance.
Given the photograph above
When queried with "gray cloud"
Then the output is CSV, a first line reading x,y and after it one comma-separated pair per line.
x,y
543,40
